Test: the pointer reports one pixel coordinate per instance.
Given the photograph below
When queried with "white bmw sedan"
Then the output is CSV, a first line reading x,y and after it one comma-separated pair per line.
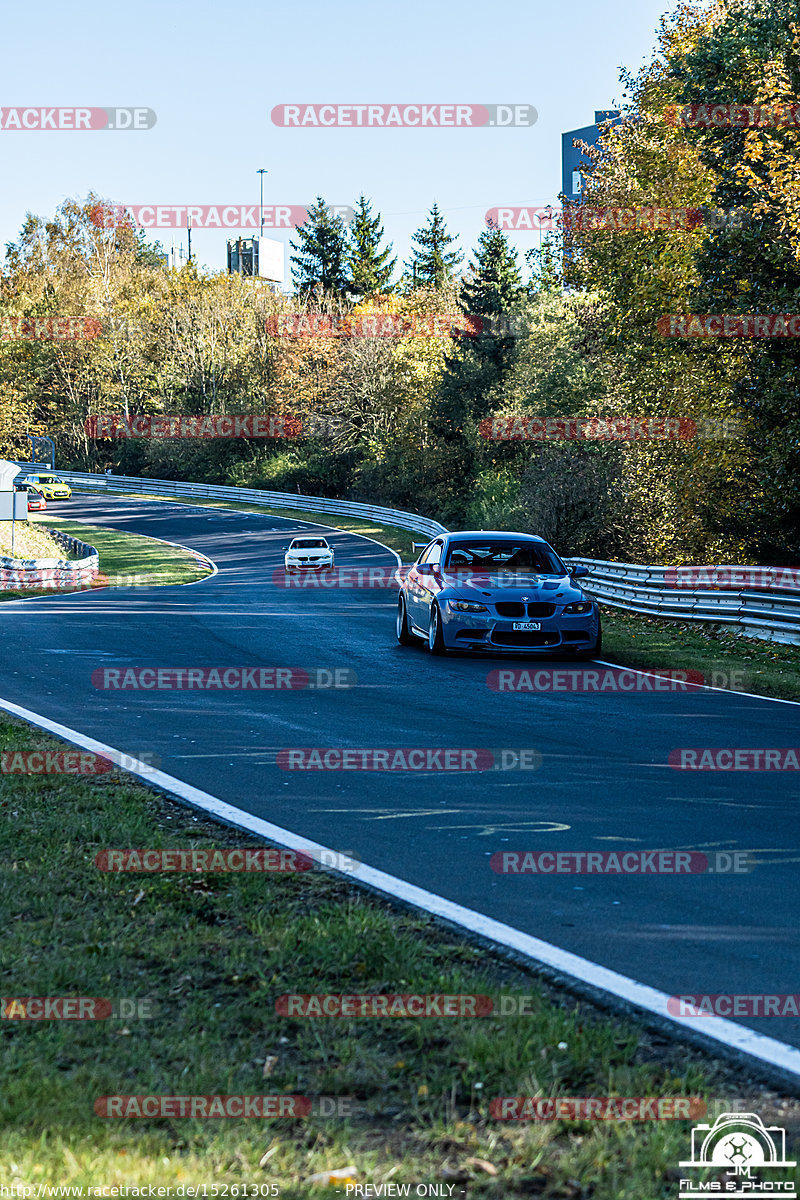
x,y
309,553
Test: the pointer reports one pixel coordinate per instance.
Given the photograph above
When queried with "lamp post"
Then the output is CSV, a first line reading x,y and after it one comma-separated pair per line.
x,y
262,171
541,218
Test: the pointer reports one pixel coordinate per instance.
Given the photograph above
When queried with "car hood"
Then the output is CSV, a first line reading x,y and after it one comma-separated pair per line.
x,y
315,553
543,589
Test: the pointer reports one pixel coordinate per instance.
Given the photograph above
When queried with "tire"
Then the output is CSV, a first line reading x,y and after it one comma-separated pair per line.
x,y
404,635
597,649
435,636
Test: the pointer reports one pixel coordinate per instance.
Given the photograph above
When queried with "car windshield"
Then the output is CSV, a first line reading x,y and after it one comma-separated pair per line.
x,y
309,544
523,558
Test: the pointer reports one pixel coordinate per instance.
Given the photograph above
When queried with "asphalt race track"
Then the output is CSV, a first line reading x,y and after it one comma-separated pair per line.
x,y
604,782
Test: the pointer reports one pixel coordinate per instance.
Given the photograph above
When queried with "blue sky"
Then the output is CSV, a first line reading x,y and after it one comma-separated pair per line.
x,y
213,73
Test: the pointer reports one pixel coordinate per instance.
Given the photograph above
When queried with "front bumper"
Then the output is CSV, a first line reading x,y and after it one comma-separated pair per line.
x,y
323,565
485,631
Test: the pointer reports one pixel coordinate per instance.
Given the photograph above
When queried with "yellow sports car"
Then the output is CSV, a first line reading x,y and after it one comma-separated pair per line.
x,y
51,487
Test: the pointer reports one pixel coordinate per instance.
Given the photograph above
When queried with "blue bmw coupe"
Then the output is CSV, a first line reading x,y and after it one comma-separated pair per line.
x,y
500,592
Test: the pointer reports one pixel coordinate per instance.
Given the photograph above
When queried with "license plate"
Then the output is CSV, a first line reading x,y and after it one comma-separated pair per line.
x,y
527,626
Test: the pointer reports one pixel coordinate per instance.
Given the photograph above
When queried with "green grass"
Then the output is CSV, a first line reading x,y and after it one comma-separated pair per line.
x,y
30,541
211,953
126,559
725,660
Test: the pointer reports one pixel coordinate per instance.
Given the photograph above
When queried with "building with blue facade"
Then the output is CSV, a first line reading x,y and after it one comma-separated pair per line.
x,y
574,162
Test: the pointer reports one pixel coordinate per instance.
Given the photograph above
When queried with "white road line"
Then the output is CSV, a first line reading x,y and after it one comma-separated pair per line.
x,y
708,686
713,1029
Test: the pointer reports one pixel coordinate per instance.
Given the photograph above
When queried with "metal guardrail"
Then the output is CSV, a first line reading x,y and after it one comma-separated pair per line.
x,y
45,573
771,615
211,491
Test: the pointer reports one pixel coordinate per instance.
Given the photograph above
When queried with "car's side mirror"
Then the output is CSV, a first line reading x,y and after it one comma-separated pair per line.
x,y
579,571
425,568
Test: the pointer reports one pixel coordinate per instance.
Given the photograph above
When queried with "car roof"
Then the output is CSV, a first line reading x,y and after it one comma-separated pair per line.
x,y
493,533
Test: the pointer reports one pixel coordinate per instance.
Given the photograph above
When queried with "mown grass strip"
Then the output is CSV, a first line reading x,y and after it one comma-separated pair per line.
x,y
126,559
725,660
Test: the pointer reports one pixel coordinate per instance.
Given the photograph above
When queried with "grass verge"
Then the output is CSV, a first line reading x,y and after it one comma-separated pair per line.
x,y
126,559
726,661
210,953
30,541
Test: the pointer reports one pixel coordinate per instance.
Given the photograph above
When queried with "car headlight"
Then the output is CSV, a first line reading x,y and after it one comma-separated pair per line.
x,y
580,606
466,606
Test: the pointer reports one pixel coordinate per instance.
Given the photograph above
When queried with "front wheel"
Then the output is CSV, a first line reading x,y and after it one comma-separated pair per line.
x,y
435,636
404,635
